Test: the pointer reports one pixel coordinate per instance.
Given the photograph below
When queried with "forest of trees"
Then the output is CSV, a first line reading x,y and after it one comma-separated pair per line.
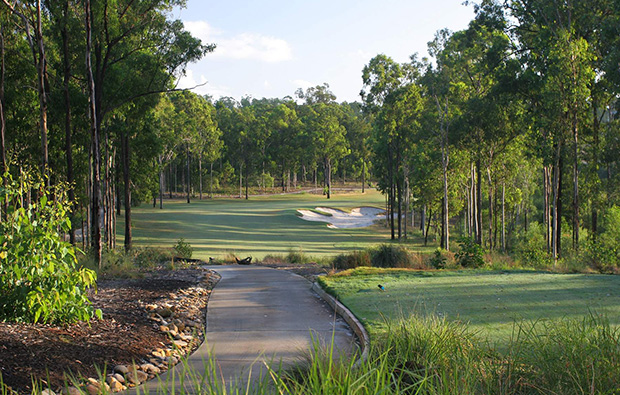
x,y
508,135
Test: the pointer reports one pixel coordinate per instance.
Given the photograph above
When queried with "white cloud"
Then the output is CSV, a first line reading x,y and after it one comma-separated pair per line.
x,y
201,30
252,46
255,47
201,86
267,84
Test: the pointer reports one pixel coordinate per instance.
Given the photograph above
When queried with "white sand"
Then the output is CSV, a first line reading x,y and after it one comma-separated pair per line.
x,y
360,217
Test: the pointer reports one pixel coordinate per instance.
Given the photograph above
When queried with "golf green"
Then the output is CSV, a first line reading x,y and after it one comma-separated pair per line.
x,y
491,302
256,227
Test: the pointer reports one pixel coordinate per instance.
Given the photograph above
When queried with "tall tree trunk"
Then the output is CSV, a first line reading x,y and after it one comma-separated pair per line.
x,y
127,185
503,216
96,196
315,179
170,181
406,202
560,203
67,98
3,162
595,162
240,180
328,176
247,177
478,202
42,85
211,183
546,208
161,182
188,173
555,220
423,219
200,172
428,225
490,195
363,175
399,195
445,217
575,184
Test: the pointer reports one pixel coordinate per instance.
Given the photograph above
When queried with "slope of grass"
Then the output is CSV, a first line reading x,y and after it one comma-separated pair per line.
x,y
257,227
490,302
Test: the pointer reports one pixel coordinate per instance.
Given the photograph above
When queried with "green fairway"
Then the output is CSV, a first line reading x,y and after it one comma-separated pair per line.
x,y
257,227
491,302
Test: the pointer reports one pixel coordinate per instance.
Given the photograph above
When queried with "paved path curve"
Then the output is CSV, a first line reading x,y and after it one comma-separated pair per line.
x,y
255,315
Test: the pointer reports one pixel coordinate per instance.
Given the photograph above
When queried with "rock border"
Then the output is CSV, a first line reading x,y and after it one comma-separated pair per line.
x,y
350,319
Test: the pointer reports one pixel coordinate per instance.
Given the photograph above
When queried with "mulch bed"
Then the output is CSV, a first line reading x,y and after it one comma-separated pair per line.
x,y
127,332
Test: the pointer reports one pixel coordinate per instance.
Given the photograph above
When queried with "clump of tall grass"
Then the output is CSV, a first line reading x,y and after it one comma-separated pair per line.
x,y
352,260
384,256
565,356
297,256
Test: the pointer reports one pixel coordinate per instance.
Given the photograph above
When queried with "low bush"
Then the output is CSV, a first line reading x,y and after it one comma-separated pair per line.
x,y
297,257
352,260
183,249
41,280
389,255
470,254
437,260
603,254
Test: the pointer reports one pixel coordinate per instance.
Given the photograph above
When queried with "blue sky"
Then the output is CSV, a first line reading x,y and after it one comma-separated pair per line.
x,y
271,48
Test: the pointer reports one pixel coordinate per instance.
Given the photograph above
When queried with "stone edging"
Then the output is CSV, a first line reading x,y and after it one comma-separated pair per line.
x,y
350,319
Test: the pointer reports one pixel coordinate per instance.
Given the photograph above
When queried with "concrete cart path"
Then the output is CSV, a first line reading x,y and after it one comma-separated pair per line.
x,y
258,315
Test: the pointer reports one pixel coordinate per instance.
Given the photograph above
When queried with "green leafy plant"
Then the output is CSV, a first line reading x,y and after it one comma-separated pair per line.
x,y
470,254
437,261
183,249
41,281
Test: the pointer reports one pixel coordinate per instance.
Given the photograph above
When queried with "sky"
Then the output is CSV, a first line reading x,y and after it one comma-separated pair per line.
x,y
270,48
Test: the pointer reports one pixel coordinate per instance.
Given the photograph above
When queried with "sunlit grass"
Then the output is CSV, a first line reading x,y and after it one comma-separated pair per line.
x,y
489,302
257,227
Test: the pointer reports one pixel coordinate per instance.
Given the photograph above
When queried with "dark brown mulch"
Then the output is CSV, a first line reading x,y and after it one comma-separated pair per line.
x,y
125,334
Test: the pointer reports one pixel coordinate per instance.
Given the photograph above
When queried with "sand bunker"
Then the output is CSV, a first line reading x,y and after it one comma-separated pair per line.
x,y
358,217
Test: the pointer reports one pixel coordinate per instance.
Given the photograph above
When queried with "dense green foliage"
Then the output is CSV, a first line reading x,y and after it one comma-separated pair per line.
x,y
509,131
183,249
41,281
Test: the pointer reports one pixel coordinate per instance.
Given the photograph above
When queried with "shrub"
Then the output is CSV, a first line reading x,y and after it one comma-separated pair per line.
x,y
351,260
297,256
41,280
437,261
148,257
388,255
603,254
470,254
183,249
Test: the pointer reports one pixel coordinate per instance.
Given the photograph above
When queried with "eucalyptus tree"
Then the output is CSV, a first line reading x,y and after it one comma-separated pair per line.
x,y
558,54
137,52
473,62
32,18
328,137
196,131
284,141
358,135
381,77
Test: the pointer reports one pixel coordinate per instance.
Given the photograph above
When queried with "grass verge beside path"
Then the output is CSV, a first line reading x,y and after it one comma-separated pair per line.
x,y
490,302
258,227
